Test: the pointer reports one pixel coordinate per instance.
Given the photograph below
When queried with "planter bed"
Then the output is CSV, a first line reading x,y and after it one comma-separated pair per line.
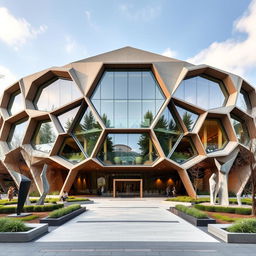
x,y
193,220
61,220
78,202
219,231
35,231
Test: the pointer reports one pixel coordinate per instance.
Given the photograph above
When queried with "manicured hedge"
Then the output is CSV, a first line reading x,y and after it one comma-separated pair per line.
x,y
211,208
188,199
78,199
224,217
64,211
243,226
191,211
31,208
12,225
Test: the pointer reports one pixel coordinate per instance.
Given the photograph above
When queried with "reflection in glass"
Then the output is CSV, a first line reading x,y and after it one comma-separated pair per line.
x,y
87,131
127,99
44,137
189,118
243,101
128,149
202,91
167,131
55,94
71,152
240,130
184,151
17,133
67,118
16,103
213,135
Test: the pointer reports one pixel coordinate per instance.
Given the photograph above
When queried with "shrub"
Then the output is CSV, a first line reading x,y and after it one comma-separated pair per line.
x,y
224,217
191,211
12,225
188,199
34,194
6,202
64,211
31,208
54,193
243,226
211,208
78,199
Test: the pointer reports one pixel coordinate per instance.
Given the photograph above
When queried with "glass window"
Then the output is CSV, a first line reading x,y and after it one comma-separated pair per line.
x,y
189,118
128,149
213,135
87,131
16,103
184,151
66,119
131,101
243,101
17,133
240,130
71,152
167,131
44,137
203,91
55,94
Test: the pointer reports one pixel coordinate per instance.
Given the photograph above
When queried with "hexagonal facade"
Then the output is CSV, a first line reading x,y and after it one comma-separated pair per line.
x,y
105,123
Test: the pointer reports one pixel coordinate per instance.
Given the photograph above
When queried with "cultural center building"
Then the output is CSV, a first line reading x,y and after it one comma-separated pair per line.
x,y
126,123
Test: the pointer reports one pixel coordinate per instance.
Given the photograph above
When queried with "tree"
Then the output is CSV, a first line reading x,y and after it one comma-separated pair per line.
x,y
46,134
188,121
196,172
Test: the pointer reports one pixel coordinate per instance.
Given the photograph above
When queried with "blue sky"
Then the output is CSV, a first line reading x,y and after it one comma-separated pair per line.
x,y
38,34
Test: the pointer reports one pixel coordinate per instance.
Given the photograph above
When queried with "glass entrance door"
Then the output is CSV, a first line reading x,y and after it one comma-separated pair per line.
x,y
127,188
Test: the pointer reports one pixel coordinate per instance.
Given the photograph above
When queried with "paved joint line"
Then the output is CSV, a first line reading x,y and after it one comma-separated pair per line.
x,y
123,221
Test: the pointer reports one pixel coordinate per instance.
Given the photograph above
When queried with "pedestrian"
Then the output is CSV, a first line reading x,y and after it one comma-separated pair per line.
x,y
174,191
168,191
10,193
64,196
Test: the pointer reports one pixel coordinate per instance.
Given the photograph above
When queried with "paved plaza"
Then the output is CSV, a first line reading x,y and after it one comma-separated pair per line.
x,y
127,227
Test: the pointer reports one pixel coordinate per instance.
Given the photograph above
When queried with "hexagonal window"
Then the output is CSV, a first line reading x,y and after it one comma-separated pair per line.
x,y
203,91
128,149
243,101
56,93
184,151
66,119
240,129
16,103
87,131
167,131
44,136
127,98
17,132
71,151
189,118
212,135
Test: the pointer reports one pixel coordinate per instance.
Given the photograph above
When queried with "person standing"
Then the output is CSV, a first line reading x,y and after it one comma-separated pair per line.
x,y
10,193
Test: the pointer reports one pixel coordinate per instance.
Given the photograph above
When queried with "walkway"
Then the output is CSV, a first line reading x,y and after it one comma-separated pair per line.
x,y
128,220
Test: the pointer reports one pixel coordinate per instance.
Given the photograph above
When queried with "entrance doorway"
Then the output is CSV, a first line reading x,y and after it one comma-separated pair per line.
x,y
128,187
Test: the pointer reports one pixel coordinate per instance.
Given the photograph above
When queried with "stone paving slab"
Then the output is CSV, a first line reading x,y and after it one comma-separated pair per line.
x,y
127,220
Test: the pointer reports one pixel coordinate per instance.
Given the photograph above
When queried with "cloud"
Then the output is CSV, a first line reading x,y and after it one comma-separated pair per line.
x,y
135,13
15,32
6,78
88,16
169,53
234,55
71,45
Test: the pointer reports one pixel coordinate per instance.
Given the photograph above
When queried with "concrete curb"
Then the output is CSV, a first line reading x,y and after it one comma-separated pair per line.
x,y
219,231
191,219
35,231
63,219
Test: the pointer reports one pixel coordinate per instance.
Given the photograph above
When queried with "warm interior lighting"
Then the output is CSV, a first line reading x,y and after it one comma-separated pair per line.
x,y
170,182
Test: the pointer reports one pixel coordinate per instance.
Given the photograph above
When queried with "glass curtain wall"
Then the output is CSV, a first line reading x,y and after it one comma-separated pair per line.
x,y
213,135
55,94
16,103
203,92
240,130
127,99
44,137
128,149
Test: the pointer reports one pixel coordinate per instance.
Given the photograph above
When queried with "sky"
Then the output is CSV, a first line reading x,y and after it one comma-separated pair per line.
x,y
35,35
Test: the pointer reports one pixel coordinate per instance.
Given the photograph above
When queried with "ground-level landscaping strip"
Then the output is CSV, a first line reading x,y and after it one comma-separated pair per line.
x,y
59,217
33,231
192,215
212,208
